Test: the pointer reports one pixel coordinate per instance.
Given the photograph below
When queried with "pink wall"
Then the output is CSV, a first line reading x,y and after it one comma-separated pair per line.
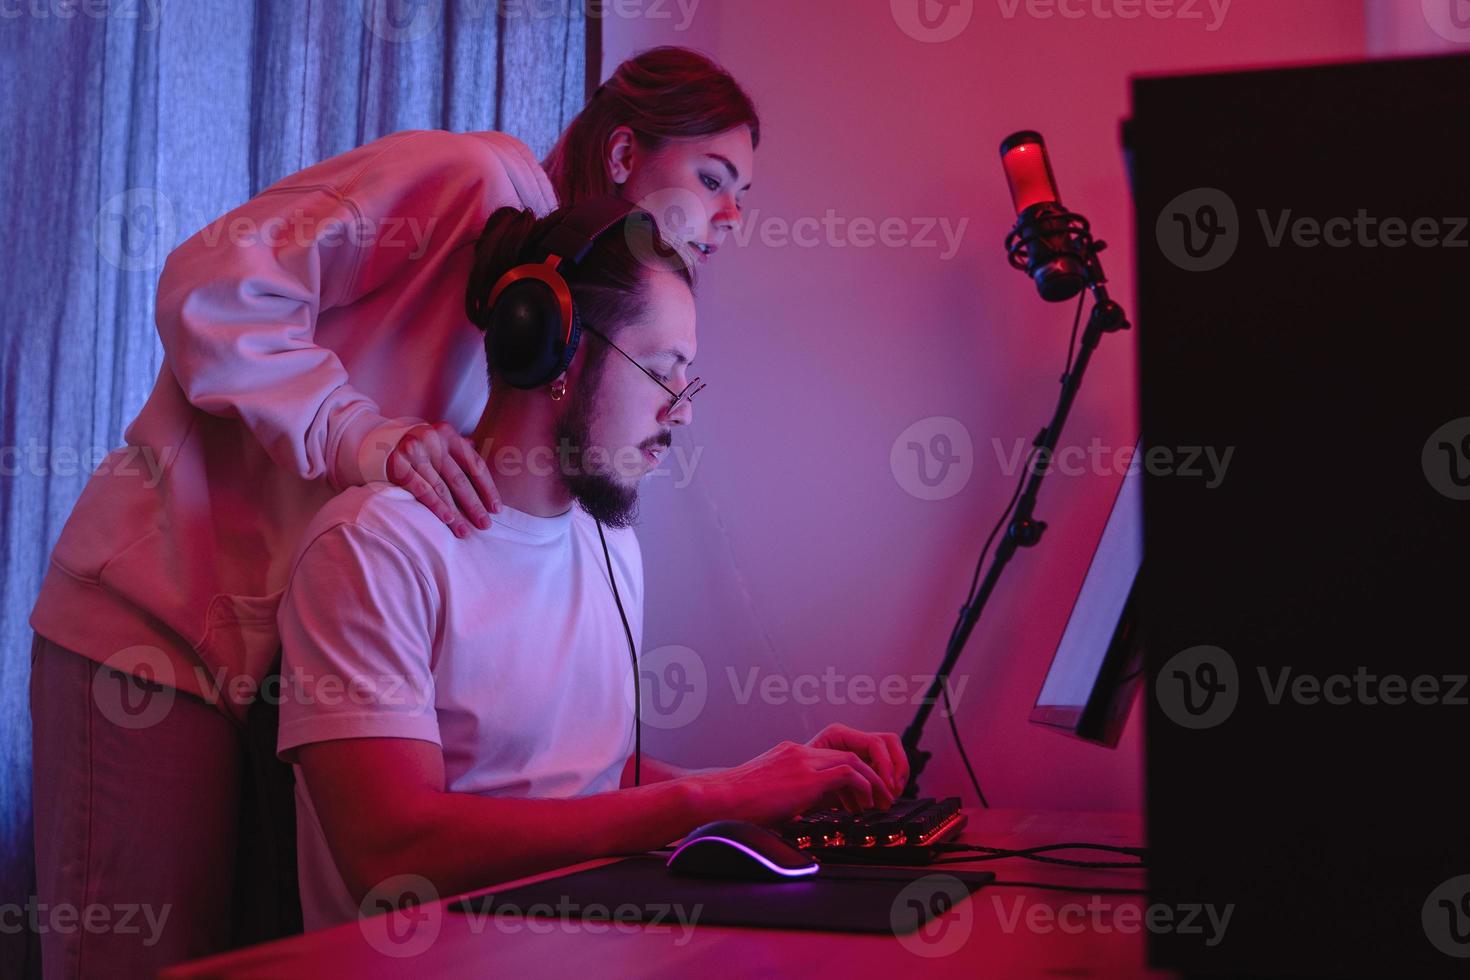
x,y
1411,27
795,549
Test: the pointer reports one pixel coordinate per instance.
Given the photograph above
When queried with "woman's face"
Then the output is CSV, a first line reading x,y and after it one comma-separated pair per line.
x,y
693,188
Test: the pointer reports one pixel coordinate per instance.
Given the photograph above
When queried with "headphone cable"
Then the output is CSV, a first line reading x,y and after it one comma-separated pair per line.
x,y
633,656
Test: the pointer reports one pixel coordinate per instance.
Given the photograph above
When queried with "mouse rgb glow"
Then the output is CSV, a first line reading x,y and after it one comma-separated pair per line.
x,y
736,849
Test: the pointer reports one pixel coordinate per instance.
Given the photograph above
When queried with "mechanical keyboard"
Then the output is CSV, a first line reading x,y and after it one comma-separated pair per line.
x,y
900,835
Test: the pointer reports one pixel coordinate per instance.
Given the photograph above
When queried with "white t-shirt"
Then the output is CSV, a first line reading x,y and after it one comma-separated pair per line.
x,y
504,648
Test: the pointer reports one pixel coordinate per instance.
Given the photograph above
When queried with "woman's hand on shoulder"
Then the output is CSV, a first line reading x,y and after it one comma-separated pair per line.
x,y
443,471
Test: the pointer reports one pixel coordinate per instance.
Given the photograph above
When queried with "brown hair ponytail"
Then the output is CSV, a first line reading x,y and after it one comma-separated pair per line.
x,y
662,94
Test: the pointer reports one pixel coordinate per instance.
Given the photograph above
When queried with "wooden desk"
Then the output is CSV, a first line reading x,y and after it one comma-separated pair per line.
x,y
999,932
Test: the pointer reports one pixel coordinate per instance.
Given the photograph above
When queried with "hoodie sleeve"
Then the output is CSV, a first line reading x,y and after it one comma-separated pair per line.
x,y
238,302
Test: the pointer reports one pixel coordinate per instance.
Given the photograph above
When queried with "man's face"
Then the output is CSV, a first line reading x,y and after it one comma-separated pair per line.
x,y
617,422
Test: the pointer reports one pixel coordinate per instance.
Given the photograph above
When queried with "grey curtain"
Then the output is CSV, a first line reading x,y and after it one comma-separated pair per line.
x,y
127,126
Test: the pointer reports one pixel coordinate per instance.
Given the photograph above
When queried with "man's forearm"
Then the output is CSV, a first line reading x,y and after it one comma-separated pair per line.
x,y
462,842
657,771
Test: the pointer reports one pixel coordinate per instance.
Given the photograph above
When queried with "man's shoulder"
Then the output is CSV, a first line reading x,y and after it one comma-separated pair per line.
x,y
383,510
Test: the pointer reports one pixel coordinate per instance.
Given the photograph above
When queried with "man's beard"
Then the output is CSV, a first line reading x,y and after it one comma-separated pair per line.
x,y
601,496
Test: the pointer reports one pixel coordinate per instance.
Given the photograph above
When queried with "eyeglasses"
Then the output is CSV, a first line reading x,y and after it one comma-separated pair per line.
x,y
690,390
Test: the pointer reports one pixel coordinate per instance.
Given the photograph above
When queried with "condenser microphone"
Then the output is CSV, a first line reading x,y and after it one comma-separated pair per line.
x,y
1048,240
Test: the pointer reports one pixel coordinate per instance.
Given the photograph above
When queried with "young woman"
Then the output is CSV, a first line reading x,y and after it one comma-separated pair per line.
x,y
315,339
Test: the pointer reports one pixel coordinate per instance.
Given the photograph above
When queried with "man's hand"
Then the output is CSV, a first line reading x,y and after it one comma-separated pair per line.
x,y
882,751
789,779
442,470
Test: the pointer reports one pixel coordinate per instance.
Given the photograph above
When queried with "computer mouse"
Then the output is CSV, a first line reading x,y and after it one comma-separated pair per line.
x,y
737,849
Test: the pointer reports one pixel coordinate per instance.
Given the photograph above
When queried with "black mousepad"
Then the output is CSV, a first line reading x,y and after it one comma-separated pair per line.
x,y
839,898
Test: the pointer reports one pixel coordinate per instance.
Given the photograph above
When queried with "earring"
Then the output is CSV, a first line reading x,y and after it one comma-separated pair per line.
x,y
558,389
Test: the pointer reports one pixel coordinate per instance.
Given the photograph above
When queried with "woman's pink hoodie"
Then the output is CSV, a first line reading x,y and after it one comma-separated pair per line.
x,y
304,331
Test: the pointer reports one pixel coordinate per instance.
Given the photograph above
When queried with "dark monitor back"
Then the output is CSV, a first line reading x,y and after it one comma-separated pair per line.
x,y
1327,575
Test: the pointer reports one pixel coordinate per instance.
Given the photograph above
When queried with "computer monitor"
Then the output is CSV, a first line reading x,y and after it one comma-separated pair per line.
x,y
1093,680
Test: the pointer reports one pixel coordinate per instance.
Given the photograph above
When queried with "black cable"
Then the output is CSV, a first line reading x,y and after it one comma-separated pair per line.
x,y
980,564
1139,852
964,611
1063,862
1004,516
633,655
1070,888
984,853
960,745
1072,344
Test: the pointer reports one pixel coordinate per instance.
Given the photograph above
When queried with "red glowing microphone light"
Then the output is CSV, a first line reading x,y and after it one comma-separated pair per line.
x,y
1028,170
1049,243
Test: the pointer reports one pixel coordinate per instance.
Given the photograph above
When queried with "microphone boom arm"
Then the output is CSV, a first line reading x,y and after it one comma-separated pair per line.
x,y
1024,531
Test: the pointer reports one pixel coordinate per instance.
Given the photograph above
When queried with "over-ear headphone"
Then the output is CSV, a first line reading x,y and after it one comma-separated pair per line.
x,y
532,326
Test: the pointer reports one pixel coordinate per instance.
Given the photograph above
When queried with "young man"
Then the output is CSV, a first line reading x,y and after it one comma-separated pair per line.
x,y
456,707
